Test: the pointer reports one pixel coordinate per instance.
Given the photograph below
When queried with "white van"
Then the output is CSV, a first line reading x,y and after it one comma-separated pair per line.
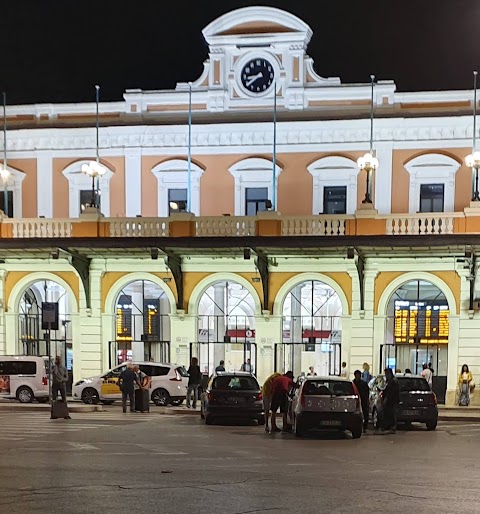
x,y
168,384
24,377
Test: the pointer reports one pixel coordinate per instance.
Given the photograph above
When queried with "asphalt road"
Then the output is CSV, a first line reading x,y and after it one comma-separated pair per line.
x,y
148,463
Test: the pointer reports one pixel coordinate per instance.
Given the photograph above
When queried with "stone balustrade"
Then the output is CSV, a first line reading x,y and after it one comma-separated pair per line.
x,y
265,225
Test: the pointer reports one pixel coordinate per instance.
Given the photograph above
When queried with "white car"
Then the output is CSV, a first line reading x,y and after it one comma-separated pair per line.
x,y
24,377
168,385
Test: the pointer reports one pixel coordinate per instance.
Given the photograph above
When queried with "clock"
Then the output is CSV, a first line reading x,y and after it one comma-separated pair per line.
x,y
257,75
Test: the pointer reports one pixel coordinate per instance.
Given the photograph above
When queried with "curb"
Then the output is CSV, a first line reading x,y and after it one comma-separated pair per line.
x,y
46,408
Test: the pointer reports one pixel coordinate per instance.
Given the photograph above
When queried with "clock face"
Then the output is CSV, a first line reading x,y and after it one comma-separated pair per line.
x,y
257,75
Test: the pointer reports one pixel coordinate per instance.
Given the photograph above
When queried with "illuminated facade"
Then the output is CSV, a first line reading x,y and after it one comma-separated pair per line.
x,y
322,279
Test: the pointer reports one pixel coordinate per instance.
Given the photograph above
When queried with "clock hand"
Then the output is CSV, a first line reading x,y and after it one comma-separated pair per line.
x,y
253,78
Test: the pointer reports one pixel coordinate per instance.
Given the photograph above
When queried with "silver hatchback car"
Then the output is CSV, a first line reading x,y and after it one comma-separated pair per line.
x,y
325,403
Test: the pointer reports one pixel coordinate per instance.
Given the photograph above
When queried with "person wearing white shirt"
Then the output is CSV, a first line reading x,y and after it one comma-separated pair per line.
x,y
427,375
344,372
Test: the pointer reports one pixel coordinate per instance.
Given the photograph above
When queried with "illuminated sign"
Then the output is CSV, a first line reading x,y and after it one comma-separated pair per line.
x,y
420,323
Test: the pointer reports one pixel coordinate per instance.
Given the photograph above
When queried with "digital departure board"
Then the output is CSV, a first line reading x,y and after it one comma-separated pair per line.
x,y
420,323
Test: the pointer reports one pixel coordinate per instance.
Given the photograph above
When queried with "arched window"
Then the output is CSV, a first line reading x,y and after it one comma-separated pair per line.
x,y
226,327
334,185
417,331
253,185
142,325
432,183
172,176
80,189
312,329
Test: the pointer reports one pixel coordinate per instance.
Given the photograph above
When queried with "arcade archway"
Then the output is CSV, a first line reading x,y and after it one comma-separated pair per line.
x,y
311,329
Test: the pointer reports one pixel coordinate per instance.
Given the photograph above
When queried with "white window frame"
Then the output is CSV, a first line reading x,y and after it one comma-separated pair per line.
x,y
14,184
432,168
78,181
173,174
334,171
252,172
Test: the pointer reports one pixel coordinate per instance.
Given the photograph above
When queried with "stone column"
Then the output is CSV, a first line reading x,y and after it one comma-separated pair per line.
x,y
133,182
296,329
218,354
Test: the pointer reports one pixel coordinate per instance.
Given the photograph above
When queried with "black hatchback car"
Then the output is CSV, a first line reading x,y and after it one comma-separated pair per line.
x,y
233,396
418,402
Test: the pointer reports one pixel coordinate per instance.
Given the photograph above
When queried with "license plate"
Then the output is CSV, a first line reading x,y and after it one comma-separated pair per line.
x,y
409,412
331,423
235,399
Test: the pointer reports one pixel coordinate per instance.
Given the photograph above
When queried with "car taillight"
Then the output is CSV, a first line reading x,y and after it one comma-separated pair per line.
x,y
434,398
357,397
210,397
260,396
44,381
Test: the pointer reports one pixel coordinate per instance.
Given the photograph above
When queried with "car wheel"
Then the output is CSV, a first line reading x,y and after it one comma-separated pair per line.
x,y
356,433
176,403
208,419
160,397
90,396
375,420
25,395
298,427
432,424
107,402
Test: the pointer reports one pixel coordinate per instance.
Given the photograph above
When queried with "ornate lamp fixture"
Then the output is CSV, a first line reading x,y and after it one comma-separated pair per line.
x,y
369,162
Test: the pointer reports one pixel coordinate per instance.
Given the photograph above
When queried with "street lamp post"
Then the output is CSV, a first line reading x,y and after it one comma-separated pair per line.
x,y
94,169
473,160
5,174
369,162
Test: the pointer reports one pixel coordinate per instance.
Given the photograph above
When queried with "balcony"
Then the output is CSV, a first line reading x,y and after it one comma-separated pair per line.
x,y
266,224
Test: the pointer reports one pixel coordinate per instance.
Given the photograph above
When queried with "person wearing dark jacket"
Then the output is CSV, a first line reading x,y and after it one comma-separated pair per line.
x,y
391,398
194,379
364,392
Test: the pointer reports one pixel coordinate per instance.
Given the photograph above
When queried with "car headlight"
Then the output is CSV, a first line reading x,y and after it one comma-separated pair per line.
x,y
80,383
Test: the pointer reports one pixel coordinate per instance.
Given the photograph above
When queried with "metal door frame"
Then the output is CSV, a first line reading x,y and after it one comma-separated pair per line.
x,y
113,349
337,355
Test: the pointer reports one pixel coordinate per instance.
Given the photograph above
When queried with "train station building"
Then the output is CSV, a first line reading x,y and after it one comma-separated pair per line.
x,y
251,232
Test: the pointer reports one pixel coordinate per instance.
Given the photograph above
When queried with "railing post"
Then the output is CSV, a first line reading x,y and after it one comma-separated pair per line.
x,y
268,223
182,224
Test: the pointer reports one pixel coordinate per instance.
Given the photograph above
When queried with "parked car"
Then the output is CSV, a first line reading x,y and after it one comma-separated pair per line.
x,y
24,377
168,385
232,395
418,402
325,403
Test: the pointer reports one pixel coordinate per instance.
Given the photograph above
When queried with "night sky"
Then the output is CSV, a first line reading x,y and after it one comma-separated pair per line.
x,y
56,50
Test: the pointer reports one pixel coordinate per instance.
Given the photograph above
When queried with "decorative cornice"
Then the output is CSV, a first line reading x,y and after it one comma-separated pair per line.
x,y
241,135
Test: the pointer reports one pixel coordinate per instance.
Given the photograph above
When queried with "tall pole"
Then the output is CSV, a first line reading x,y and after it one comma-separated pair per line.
x,y
369,172
95,194
189,169
475,193
274,174
5,173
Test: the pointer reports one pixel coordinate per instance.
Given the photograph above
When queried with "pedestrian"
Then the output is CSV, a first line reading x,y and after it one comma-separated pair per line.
x,y
466,385
311,372
267,396
391,399
194,379
142,381
126,382
59,380
408,371
247,366
280,389
366,377
364,392
344,372
427,374
220,367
